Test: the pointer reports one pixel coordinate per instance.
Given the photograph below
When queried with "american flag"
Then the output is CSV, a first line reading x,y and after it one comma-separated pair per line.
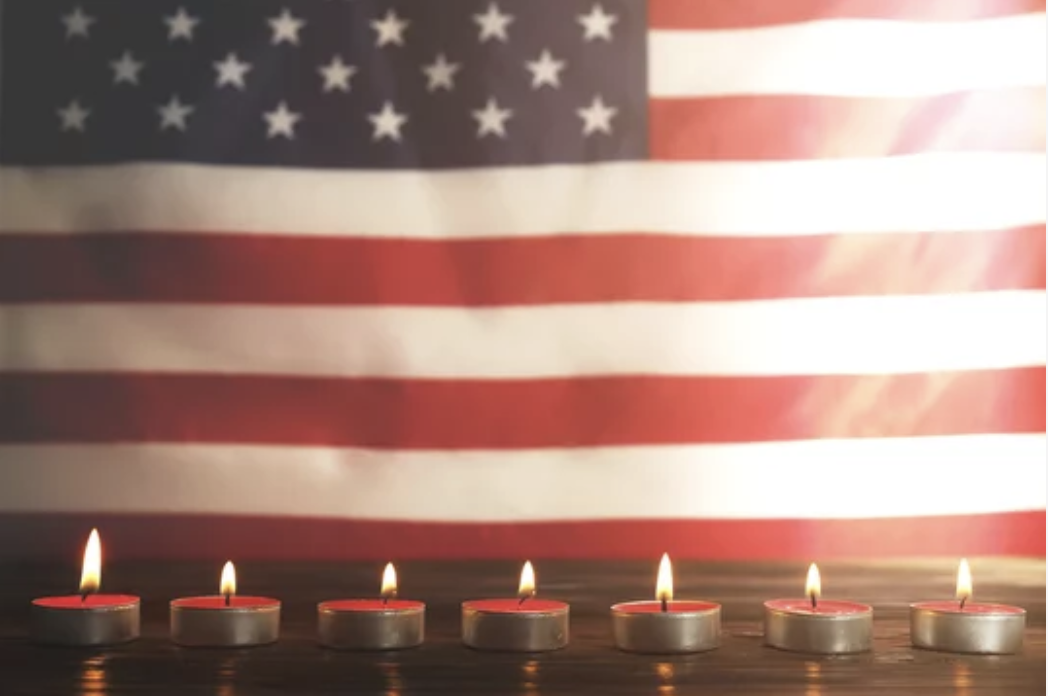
x,y
509,278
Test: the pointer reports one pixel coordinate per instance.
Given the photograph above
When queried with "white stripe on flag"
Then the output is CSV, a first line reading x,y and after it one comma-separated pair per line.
x,y
857,335
919,193
887,478
850,58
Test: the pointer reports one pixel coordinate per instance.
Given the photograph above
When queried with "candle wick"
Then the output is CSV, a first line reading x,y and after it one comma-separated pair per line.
x,y
963,600
229,598
522,598
665,604
814,601
83,597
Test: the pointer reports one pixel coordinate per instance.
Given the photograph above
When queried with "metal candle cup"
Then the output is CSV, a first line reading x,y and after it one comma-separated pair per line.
x,y
372,624
225,620
665,626
87,619
831,628
208,622
987,629
516,625
966,627
817,626
537,625
98,620
685,627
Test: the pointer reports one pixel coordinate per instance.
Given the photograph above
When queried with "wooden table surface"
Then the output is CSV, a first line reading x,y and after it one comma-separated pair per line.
x,y
296,665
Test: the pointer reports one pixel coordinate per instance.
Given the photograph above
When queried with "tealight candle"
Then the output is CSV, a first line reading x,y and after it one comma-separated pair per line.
x,y
372,624
226,619
87,618
813,625
524,624
966,627
666,625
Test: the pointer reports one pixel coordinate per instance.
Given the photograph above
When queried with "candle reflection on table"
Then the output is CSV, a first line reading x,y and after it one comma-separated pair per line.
x,y
226,675
93,680
813,673
529,673
391,677
666,672
962,679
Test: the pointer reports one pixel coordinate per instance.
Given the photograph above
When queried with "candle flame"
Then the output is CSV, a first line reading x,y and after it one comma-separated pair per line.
x,y
964,582
664,582
389,582
227,586
91,574
813,585
527,582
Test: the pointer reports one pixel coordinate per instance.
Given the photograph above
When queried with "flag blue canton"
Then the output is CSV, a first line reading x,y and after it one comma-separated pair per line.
x,y
323,83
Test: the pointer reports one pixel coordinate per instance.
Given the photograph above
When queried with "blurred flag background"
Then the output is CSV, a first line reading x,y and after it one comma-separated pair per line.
x,y
561,278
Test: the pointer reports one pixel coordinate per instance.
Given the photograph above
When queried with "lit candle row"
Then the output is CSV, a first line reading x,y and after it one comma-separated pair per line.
x,y
524,623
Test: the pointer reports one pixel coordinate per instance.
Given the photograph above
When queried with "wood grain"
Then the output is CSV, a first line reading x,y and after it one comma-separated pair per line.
x,y
296,665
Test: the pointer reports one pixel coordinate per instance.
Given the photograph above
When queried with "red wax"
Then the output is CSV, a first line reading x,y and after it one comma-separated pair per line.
x,y
825,607
94,601
655,607
969,608
515,606
371,605
219,602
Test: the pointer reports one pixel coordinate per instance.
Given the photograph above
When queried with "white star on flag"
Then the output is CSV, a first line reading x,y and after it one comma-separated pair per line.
x,y
493,24
545,70
596,118
491,120
440,74
281,122
74,117
597,24
126,69
231,71
77,23
336,75
174,114
390,29
387,123
285,28
181,25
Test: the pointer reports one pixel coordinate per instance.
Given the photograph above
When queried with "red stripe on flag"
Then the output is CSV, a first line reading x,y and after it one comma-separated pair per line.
x,y
268,270
737,14
786,127
467,414
60,538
